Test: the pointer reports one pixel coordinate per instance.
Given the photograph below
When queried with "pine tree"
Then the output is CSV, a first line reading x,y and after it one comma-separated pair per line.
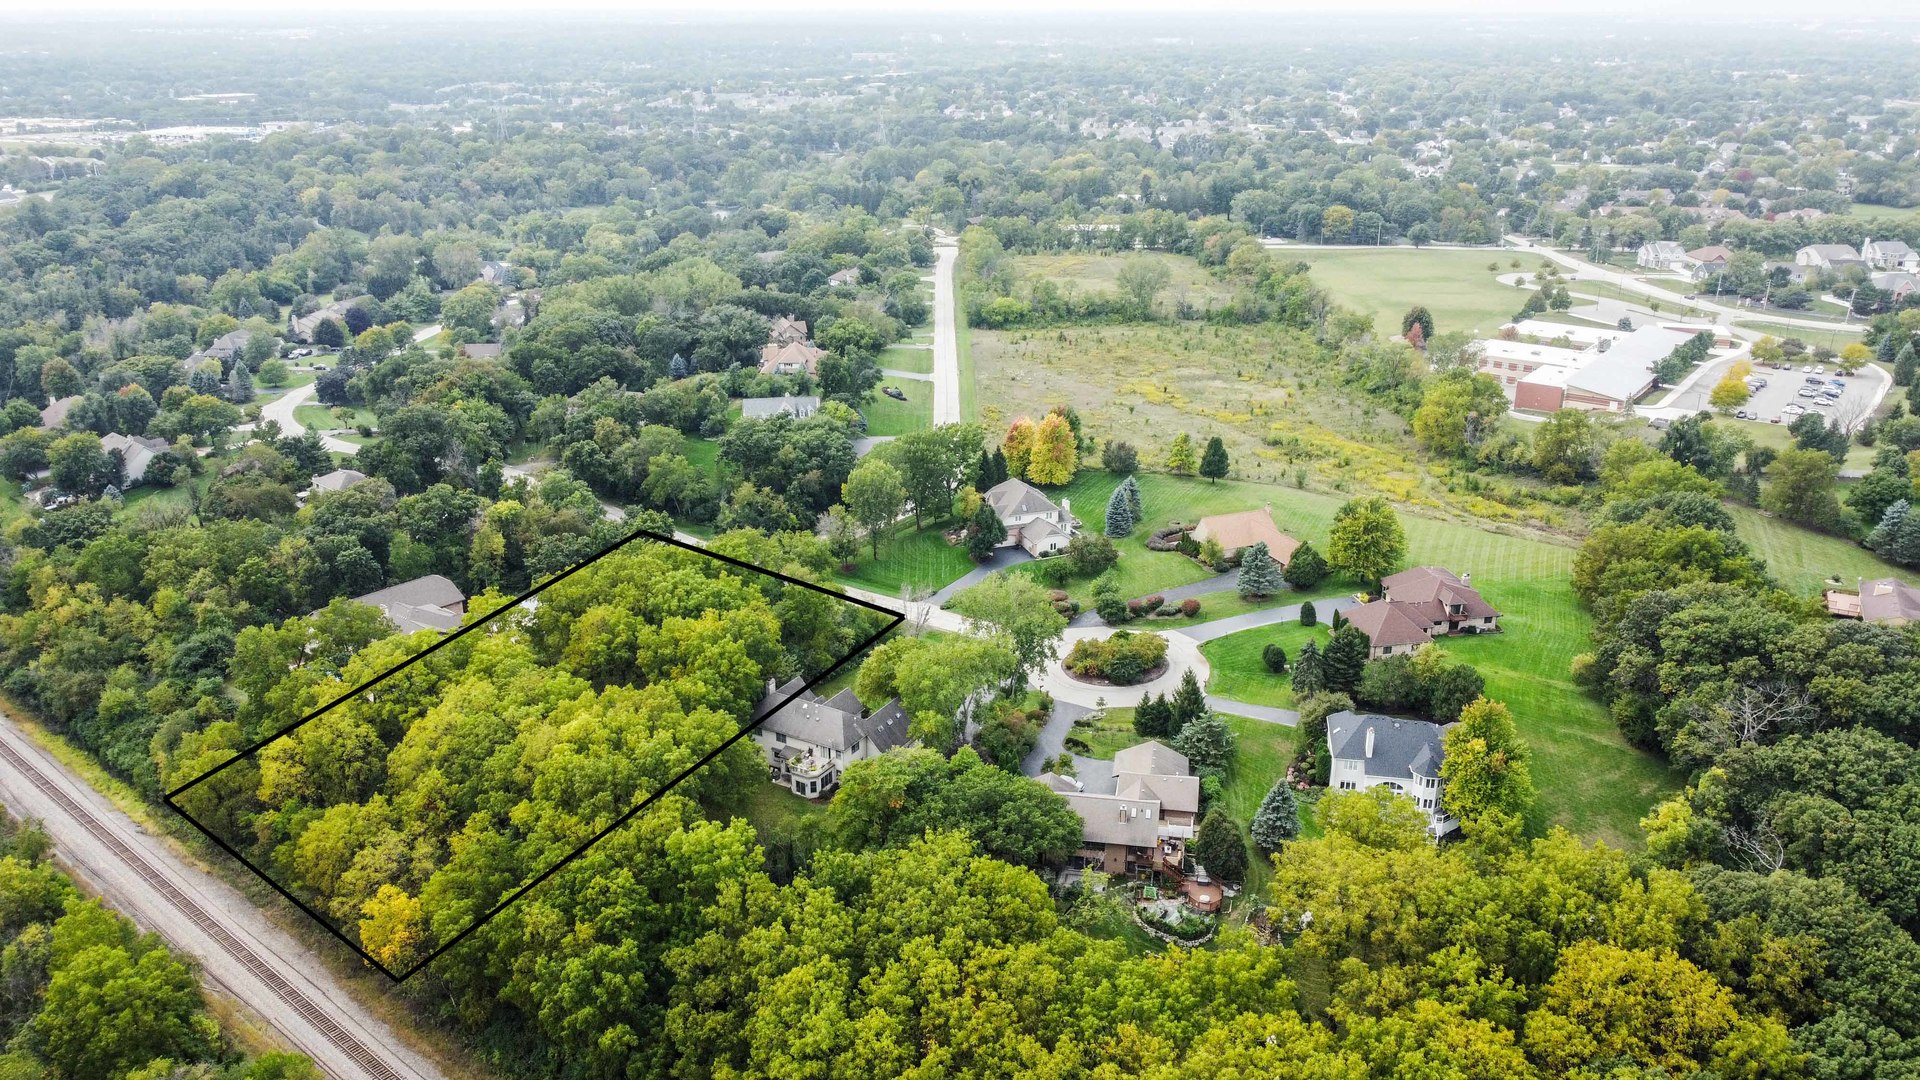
x,y
1119,514
677,367
1897,537
1278,819
239,383
1152,717
1000,473
1905,365
984,533
1339,621
1275,658
1309,617
1208,744
1345,659
1180,461
1307,568
1132,488
1308,677
1259,574
1213,462
1189,704
1219,848
983,472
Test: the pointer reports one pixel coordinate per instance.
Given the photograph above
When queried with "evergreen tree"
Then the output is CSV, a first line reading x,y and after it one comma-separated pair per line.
x,y
1308,676
999,473
984,533
1259,574
330,333
205,378
1278,819
1180,461
1189,704
1897,537
239,384
1345,659
1275,658
1219,847
1132,488
677,368
1905,365
983,472
1418,316
1307,568
1339,620
1213,461
1152,717
1308,616
1119,514
1208,744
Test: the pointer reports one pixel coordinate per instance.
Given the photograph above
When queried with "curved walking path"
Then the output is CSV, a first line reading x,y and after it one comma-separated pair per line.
x,y
280,410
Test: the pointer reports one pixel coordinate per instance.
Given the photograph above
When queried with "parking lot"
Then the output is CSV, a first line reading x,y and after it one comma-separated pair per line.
x,y
1783,396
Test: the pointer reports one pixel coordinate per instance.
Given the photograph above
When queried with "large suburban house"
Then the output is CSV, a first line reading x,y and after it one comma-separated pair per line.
x,y
136,454
790,358
224,348
1372,751
302,328
1889,255
1881,600
1138,821
1896,283
797,406
1237,532
1033,521
844,278
425,603
811,741
55,414
1418,605
1704,262
786,330
1661,255
337,480
1828,257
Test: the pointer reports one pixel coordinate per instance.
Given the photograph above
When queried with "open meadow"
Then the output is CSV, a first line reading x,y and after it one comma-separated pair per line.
x,y
1085,273
1455,285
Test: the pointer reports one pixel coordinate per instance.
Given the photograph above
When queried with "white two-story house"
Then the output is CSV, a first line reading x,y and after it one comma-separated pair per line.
x,y
1370,751
1033,521
813,739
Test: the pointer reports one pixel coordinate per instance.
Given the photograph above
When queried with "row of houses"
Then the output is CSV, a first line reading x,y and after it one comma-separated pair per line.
x,y
1887,256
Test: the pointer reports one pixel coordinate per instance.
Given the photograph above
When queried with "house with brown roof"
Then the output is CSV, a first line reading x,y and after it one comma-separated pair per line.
x,y
1704,262
786,329
791,358
810,741
1419,605
56,411
1238,531
1138,821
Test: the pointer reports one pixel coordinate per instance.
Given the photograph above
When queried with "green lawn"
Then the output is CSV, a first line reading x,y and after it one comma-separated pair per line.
x,y
1454,285
295,380
921,558
1240,672
901,358
1834,339
1105,733
1873,215
886,416
1611,291
703,453
1261,752
775,811
1779,438
321,416
1802,560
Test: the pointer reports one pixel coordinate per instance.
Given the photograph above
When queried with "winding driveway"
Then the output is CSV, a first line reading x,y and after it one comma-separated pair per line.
x,y
280,410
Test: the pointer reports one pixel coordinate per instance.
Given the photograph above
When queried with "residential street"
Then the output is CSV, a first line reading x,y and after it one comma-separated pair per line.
x,y
242,954
946,340
281,410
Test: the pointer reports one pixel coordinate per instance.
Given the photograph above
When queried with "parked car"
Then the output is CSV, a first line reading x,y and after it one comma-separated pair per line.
x,y
1819,369
1808,391
1742,415
1808,369
1794,408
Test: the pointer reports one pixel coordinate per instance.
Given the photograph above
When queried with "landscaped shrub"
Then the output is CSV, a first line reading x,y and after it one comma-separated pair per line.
x,y
1054,572
1167,538
1089,553
1189,928
1275,658
1123,659
1190,607
1308,617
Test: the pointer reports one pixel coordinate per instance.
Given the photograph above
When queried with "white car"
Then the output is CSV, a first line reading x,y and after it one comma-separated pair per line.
x,y
1794,409
1808,370
1819,369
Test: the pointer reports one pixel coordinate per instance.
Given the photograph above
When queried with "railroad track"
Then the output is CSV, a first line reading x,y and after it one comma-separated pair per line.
x,y
348,1046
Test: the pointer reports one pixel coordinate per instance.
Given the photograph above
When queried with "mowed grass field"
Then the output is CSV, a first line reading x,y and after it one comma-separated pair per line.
x,y
1835,339
886,416
1240,667
1454,285
919,558
1806,562
1082,273
907,358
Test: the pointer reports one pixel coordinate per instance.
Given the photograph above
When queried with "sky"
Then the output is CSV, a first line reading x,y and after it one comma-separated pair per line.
x,y
147,11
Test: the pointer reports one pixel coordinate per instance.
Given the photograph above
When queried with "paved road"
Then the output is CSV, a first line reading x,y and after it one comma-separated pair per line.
x,y
946,340
281,410
1053,737
240,951
1219,628
1011,555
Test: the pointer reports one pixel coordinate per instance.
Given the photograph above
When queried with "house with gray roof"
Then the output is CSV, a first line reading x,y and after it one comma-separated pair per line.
x,y
337,480
1889,255
425,603
1372,751
1661,255
1138,821
136,455
1828,257
810,742
56,411
1890,601
302,328
1036,523
798,406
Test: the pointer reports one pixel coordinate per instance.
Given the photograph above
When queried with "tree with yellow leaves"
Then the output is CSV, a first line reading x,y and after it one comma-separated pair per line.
x,y
1018,446
1055,457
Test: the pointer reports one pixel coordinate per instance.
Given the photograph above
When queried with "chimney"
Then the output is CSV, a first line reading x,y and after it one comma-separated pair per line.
x,y
1467,579
771,686
1066,509
1369,742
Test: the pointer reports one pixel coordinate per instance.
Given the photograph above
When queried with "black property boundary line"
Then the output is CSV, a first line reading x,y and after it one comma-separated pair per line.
x,y
897,618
